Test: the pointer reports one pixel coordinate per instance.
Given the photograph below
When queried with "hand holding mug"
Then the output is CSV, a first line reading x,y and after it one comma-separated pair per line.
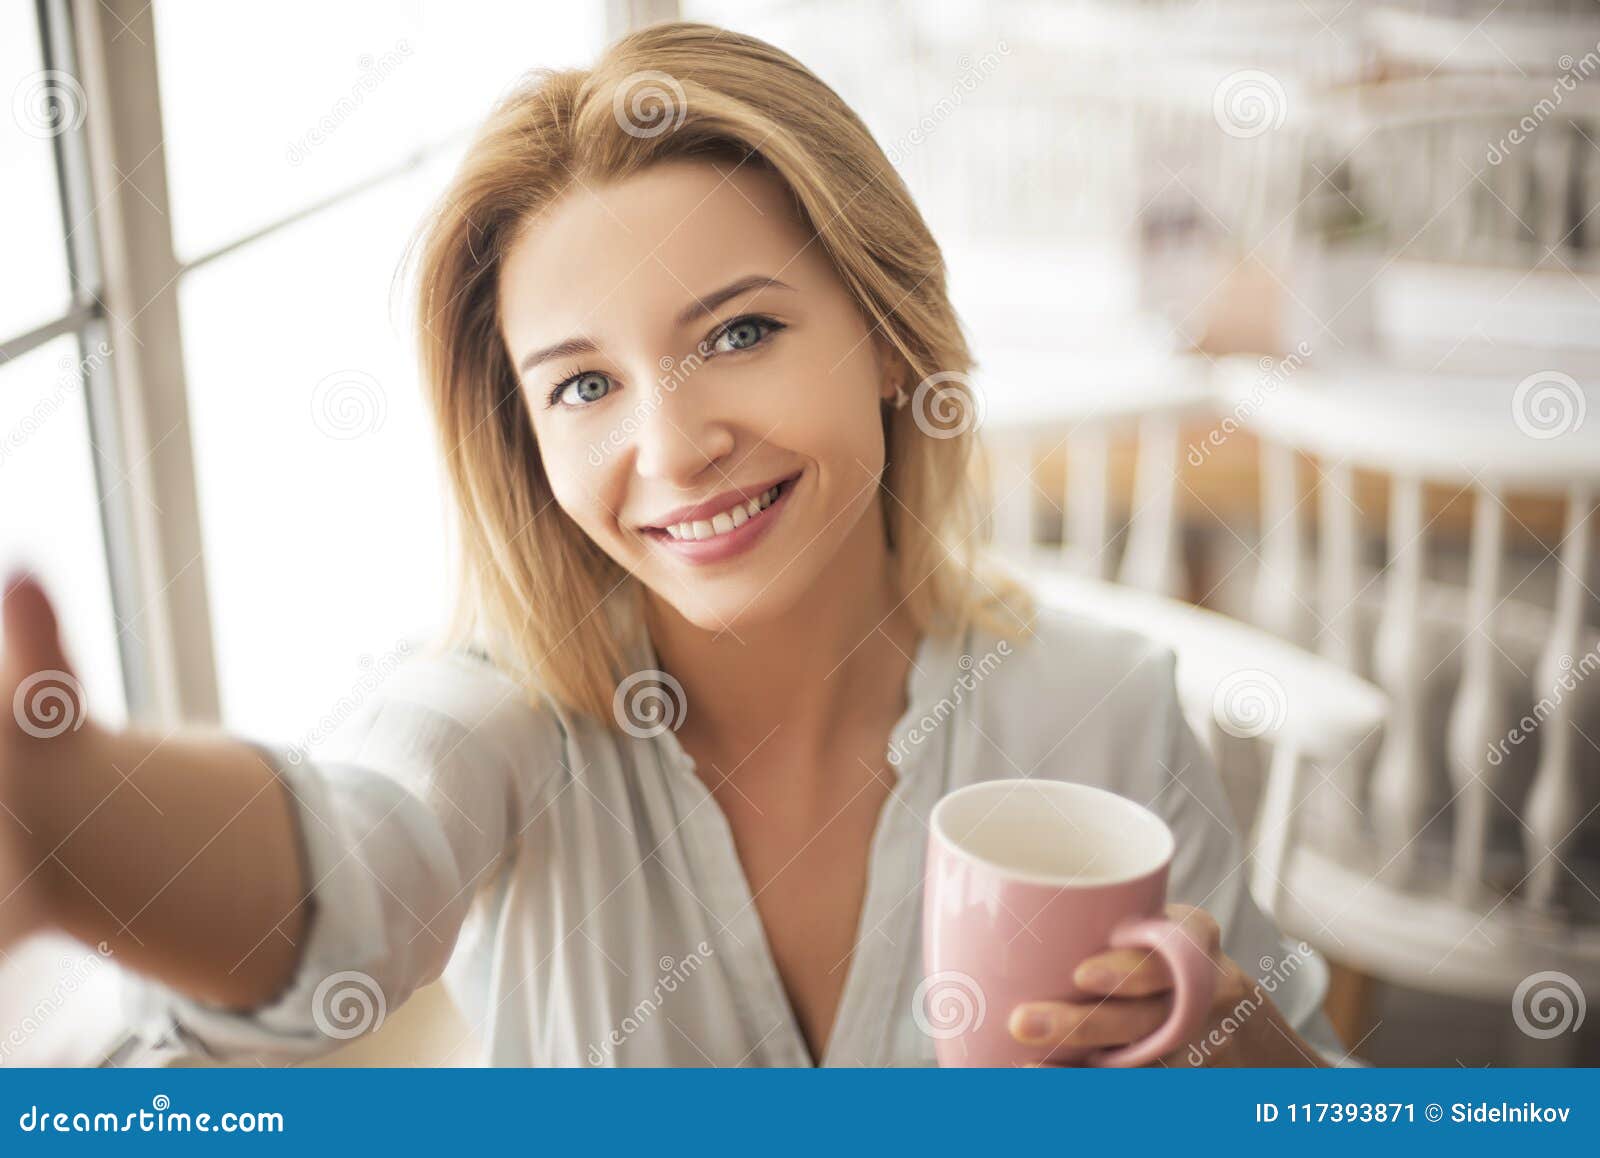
x,y
1047,940
1128,994
1026,880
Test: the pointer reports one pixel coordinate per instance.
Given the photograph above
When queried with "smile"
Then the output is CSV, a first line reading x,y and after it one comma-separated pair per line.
x,y
728,532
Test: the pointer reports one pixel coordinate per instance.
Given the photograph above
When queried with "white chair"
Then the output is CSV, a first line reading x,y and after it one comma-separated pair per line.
x,y
1477,859
1239,682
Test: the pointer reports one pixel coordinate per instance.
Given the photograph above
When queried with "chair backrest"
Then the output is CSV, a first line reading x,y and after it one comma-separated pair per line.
x,y
1511,737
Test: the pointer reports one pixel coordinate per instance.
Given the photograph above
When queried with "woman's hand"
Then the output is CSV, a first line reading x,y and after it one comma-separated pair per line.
x,y
42,725
1130,996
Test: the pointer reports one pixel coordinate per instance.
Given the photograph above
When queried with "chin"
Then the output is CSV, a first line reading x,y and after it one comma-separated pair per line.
x,y
735,605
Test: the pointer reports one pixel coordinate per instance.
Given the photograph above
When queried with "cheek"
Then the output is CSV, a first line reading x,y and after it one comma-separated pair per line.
x,y
827,412
580,489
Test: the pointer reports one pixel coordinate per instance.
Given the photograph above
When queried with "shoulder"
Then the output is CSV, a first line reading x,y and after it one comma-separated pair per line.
x,y
1072,655
446,701
1077,698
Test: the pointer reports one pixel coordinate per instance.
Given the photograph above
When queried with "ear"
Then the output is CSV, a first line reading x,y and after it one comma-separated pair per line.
x,y
892,370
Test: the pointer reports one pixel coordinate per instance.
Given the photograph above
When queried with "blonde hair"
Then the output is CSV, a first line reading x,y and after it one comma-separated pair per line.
x,y
535,593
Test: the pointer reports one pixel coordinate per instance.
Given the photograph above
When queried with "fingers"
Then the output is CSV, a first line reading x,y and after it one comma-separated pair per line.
x,y
1198,926
32,640
1123,973
1068,1024
1142,972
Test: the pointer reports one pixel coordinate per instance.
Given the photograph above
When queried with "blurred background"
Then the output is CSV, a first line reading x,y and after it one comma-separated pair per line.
x,y
1287,318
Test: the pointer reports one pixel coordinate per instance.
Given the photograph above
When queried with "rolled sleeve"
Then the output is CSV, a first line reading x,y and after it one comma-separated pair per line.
x,y
399,824
347,819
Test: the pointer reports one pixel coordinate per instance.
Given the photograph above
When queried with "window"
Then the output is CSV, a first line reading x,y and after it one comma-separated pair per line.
x,y
239,403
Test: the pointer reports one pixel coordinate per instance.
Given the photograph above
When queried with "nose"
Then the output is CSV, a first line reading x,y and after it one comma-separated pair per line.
x,y
679,434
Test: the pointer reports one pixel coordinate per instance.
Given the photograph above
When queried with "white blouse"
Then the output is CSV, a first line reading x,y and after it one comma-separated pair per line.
x,y
579,890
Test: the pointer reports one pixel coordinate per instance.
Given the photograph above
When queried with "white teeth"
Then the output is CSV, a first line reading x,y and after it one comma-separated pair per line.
x,y
720,524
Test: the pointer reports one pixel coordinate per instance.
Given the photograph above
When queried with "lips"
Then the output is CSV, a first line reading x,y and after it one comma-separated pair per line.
x,y
715,506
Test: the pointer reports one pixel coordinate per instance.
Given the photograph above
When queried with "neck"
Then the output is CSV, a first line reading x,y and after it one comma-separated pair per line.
x,y
839,656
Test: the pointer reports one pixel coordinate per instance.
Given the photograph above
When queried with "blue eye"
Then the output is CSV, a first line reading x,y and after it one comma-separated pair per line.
x,y
589,385
743,333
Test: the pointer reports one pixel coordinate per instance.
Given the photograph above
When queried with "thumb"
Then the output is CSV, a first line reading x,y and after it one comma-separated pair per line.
x,y
33,648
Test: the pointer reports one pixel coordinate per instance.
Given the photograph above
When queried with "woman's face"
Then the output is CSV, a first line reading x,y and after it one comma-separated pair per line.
x,y
684,346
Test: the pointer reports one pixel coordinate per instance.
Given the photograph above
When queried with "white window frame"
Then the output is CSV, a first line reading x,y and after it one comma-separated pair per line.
x,y
124,275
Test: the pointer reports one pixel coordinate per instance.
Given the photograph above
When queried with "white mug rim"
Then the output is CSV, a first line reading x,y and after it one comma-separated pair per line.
x,y
1139,813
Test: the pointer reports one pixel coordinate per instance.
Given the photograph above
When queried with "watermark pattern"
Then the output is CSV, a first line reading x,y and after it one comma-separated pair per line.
x,y
971,76
1572,73
1274,973
649,103
1585,666
948,1004
374,71
648,703
373,673
1548,1004
674,372
947,404
973,672
348,1004
76,972
1548,404
348,404
1249,703
160,1118
1274,373
673,974
71,377
1248,103
48,703
48,103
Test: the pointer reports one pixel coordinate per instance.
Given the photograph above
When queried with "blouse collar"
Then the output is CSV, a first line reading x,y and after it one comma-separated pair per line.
x,y
934,676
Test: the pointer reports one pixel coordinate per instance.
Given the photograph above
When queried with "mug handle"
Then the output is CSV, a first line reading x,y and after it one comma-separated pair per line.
x,y
1194,985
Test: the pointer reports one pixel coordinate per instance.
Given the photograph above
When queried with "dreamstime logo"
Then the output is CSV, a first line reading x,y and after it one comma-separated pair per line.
x,y
673,974
48,703
348,1004
74,975
1274,373
373,673
347,404
947,405
48,103
1249,703
1548,1004
74,372
1273,974
971,76
674,372
373,73
649,103
1548,404
948,1004
1585,666
1573,72
1248,103
648,703
973,672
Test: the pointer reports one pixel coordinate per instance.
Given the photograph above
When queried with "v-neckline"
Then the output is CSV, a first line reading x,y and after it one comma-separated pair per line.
x,y
732,901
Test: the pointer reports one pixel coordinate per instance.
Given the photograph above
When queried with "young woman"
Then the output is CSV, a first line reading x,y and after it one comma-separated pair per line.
x,y
725,637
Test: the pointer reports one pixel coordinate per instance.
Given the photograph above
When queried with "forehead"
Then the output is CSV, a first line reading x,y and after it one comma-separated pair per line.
x,y
645,244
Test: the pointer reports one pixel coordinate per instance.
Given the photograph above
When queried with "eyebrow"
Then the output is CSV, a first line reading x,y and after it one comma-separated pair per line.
x,y
698,308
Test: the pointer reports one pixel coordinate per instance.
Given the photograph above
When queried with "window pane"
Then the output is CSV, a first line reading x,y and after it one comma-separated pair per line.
x,y
51,517
34,288
321,508
267,115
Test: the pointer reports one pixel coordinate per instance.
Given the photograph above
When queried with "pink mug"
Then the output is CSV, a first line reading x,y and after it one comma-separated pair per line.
x,y
1025,879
